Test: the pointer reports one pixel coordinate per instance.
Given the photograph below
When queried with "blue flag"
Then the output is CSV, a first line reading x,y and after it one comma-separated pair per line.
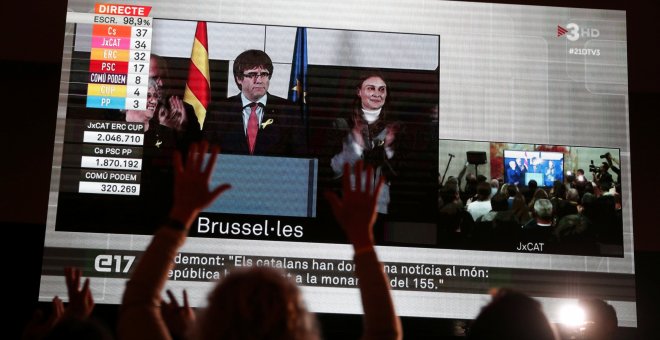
x,y
298,80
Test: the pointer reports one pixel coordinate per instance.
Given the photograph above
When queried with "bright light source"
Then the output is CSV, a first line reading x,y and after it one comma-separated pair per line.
x,y
572,315
568,173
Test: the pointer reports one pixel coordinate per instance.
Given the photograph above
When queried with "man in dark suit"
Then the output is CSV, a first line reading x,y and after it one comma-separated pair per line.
x,y
255,122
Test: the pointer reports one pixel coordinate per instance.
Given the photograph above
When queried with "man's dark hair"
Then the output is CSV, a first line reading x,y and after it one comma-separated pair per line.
x,y
559,189
588,187
448,193
483,191
511,190
499,202
570,178
250,59
532,185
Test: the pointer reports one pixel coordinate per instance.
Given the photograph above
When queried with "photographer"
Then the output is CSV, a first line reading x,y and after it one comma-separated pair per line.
x,y
617,170
602,177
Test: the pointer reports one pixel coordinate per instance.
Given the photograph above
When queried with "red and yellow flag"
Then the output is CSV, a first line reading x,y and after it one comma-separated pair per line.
x,y
198,86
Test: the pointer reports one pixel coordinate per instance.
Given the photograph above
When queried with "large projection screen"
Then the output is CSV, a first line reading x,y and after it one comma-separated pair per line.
x,y
464,77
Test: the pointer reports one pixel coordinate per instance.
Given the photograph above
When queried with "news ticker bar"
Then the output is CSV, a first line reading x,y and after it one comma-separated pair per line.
x,y
340,273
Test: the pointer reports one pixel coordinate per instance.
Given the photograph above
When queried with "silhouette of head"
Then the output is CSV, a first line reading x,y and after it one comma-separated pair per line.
x,y
512,315
257,303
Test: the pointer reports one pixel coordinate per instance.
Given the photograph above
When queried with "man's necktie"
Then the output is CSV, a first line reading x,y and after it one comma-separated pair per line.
x,y
252,127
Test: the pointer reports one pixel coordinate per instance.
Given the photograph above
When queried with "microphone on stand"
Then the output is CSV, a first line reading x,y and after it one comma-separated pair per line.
x,y
447,168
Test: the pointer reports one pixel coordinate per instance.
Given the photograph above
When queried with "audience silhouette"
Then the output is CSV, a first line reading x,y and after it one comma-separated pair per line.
x,y
259,303
512,315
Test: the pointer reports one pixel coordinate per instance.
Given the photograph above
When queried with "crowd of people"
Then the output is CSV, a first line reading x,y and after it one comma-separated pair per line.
x,y
574,216
257,303
261,302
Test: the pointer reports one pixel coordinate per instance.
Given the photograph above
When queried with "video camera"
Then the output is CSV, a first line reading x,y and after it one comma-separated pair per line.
x,y
593,168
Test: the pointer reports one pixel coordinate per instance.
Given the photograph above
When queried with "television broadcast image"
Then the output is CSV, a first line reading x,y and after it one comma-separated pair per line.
x,y
493,142
581,209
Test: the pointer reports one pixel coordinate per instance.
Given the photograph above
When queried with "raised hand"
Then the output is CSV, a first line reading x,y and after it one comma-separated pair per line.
x,y
390,136
38,327
178,111
174,114
81,301
179,319
191,183
356,210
